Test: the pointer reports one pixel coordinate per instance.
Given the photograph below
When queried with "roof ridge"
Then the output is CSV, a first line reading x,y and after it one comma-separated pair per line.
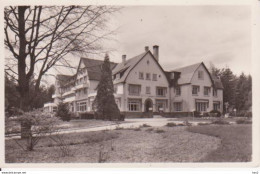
x,y
185,66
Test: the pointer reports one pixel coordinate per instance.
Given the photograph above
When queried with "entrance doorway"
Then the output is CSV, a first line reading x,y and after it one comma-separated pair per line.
x,y
148,104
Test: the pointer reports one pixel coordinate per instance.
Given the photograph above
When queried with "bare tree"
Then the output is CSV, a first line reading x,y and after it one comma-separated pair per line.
x,y
39,38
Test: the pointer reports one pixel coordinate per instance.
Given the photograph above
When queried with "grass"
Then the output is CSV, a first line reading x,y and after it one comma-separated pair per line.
x,y
152,145
220,121
244,121
236,142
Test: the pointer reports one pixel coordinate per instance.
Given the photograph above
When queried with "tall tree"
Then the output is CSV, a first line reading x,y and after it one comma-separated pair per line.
x,y
104,104
39,37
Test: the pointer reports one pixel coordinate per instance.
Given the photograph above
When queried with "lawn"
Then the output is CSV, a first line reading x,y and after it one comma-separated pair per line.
x,y
207,143
236,142
145,144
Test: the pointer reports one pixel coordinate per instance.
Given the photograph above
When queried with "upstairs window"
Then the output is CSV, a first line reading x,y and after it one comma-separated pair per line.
x,y
134,89
206,91
154,77
85,90
115,89
200,75
178,90
215,92
141,75
195,90
161,91
148,90
148,76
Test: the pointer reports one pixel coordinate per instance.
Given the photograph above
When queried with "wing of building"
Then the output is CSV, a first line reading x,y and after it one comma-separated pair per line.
x,y
142,87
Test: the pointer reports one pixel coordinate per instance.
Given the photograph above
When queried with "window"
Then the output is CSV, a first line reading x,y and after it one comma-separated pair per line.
x,y
195,90
154,77
215,92
141,75
82,106
134,105
85,90
148,76
178,90
134,89
201,106
148,90
115,89
200,74
206,91
118,76
161,91
54,109
177,106
216,105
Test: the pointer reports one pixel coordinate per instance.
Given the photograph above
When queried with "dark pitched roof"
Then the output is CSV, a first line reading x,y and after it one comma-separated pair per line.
x,y
126,67
63,79
186,73
93,67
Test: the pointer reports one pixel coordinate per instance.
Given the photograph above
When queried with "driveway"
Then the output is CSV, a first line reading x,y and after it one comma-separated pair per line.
x,y
131,123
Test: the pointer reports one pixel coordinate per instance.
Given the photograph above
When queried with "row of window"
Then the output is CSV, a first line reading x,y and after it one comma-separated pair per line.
x,y
147,76
196,90
81,80
200,106
136,90
135,105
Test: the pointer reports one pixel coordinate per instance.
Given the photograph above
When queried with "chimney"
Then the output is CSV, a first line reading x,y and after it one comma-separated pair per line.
x,y
156,52
146,48
123,59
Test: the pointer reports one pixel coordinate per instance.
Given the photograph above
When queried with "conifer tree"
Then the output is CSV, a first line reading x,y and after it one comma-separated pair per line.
x,y
104,104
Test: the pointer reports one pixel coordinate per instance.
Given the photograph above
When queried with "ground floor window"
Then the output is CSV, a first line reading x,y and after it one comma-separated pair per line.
x,y
118,102
177,106
134,105
201,106
71,107
82,106
161,105
54,108
216,105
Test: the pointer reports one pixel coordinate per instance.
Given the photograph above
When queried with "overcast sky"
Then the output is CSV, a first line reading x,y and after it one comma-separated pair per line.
x,y
186,35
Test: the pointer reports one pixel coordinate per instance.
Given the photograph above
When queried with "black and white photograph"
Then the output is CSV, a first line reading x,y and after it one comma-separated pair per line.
x,y
130,84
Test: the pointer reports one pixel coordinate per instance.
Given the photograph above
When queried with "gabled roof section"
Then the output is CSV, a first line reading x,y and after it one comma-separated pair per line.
x,y
126,67
93,67
187,73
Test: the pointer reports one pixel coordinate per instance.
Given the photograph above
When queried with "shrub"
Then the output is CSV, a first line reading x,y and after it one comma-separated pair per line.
x,y
137,129
171,124
150,129
205,114
197,114
187,123
146,125
249,114
63,112
203,124
220,121
243,121
218,113
159,131
86,115
37,124
122,117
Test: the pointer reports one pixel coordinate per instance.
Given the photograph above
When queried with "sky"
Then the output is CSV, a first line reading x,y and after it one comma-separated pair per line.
x,y
186,35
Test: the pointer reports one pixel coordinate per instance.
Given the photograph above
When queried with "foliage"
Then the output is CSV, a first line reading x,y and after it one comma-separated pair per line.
x,y
218,113
244,121
40,124
38,38
237,89
171,124
104,104
86,115
197,114
63,111
159,131
220,121
146,125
